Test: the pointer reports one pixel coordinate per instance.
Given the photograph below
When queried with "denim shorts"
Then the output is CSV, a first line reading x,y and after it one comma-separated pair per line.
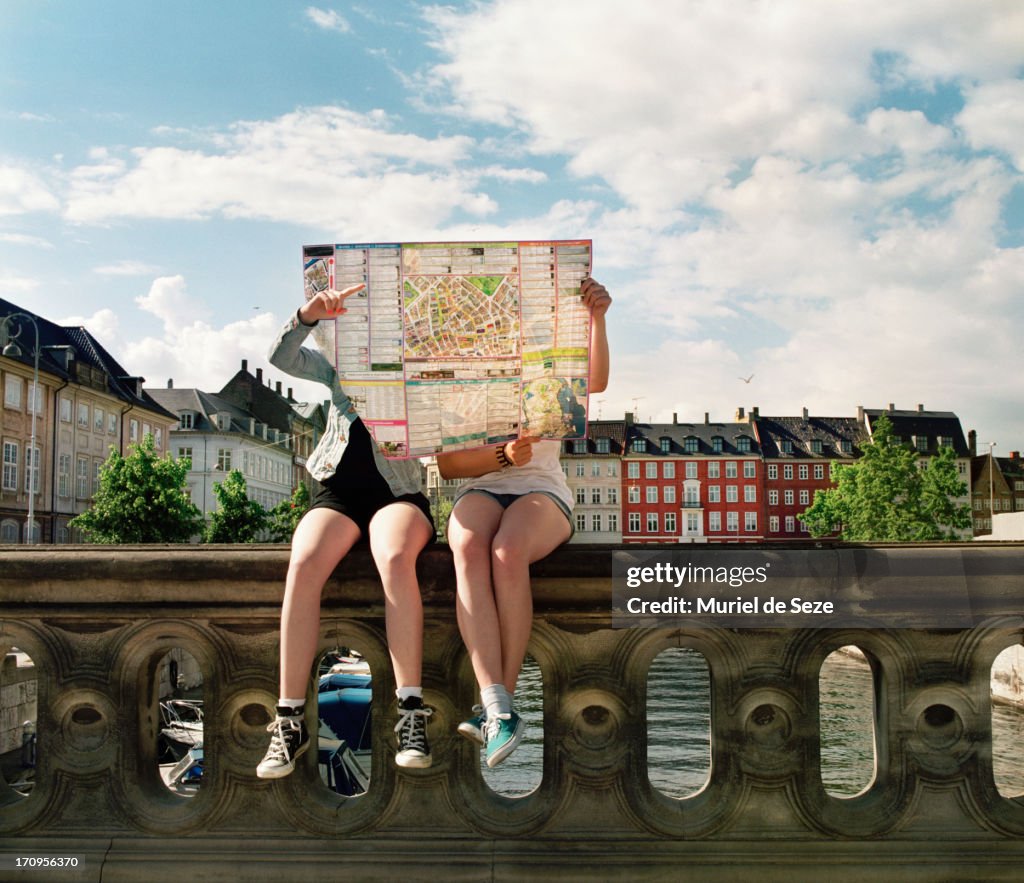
x,y
506,500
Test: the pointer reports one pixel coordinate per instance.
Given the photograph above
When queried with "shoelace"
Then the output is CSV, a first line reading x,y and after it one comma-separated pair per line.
x,y
492,726
412,728
279,748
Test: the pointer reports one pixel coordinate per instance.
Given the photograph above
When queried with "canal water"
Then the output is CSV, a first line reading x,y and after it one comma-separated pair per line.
x,y
679,751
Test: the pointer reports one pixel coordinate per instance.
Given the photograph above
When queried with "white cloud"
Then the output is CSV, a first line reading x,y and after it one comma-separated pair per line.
x,y
326,166
169,301
126,268
25,239
104,325
993,116
23,191
665,99
13,285
328,20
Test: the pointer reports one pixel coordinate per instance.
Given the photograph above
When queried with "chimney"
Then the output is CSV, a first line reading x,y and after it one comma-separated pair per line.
x,y
245,364
1014,455
170,383
920,407
629,418
972,442
860,413
675,418
892,407
291,398
278,386
707,418
805,413
755,412
740,414
259,375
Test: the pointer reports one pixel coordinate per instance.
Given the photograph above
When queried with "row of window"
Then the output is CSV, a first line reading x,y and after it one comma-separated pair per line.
x,y
691,445
1007,505
788,498
9,481
89,417
668,469
597,522
609,497
611,469
691,495
14,395
693,523
802,471
253,465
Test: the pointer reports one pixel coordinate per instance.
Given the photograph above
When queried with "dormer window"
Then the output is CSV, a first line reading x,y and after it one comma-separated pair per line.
x,y
921,443
743,444
846,446
666,445
186,420
579,446
639,446
691,444
815,445
786,447
717,443
604,446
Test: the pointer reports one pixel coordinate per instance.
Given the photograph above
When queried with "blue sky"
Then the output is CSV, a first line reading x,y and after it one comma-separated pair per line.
x,y
828,196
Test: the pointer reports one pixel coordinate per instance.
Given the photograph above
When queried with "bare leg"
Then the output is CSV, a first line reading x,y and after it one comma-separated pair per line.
x,y
398,533
471,529
321,540
532,527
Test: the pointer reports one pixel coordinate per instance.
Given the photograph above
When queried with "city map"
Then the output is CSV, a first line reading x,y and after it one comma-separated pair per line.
x,y
456,345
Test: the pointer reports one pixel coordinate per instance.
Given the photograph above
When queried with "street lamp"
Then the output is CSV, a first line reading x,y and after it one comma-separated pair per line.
x,y
991,490
12,350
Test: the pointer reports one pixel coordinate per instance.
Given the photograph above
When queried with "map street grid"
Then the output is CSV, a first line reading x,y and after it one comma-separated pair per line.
x,y
460,344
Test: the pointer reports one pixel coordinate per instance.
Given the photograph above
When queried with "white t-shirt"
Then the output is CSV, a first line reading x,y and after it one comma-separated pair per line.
x,y
542,473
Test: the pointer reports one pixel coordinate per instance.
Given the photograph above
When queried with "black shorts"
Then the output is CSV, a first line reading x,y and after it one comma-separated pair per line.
x,y
362,503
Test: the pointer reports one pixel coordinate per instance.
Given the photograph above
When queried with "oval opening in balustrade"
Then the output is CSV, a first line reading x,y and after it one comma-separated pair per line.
x,y
1008,721
344,744
180,735
18,737
679,722
522,771
846,716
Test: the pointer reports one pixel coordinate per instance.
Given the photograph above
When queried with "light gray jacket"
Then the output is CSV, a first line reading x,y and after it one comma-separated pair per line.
x,y
288,354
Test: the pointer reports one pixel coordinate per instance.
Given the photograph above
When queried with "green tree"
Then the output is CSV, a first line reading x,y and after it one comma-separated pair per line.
x,y
237,519
285,516
441,509
887,497
141,499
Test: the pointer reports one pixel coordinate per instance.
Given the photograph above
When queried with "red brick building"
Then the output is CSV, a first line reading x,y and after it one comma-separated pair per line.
x,y
692,483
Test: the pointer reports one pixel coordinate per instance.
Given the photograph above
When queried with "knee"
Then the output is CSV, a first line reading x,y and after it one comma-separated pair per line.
x,y
395,559
468,547
508,554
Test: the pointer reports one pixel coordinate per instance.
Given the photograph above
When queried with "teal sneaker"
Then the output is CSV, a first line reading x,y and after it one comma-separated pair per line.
x,y
473,729
504,733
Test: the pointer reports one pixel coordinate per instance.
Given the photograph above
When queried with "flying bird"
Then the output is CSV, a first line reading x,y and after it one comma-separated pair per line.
x,y
747,379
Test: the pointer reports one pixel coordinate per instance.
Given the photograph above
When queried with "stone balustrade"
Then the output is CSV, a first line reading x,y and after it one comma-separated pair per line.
x,y
97,621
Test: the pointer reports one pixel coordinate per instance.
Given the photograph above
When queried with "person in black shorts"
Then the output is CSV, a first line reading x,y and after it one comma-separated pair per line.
x,y
362,496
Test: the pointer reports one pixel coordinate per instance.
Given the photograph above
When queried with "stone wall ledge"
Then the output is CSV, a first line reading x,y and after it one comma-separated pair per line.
x,y
97,621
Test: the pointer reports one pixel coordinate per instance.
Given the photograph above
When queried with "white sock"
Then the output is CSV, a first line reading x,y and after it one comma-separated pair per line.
x,y
404,693
293,704
496,700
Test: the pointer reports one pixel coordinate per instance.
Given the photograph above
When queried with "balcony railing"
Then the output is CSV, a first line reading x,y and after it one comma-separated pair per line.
x,y
96,622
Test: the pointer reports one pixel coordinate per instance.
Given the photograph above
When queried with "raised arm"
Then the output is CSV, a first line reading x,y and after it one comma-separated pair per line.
x,y
596,298
480,461
287,351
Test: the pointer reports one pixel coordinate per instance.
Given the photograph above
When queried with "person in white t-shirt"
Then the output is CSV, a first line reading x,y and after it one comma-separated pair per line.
x,y
515,509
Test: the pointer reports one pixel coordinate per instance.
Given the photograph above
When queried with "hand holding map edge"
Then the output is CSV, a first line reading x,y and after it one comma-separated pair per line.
x,y
520,451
